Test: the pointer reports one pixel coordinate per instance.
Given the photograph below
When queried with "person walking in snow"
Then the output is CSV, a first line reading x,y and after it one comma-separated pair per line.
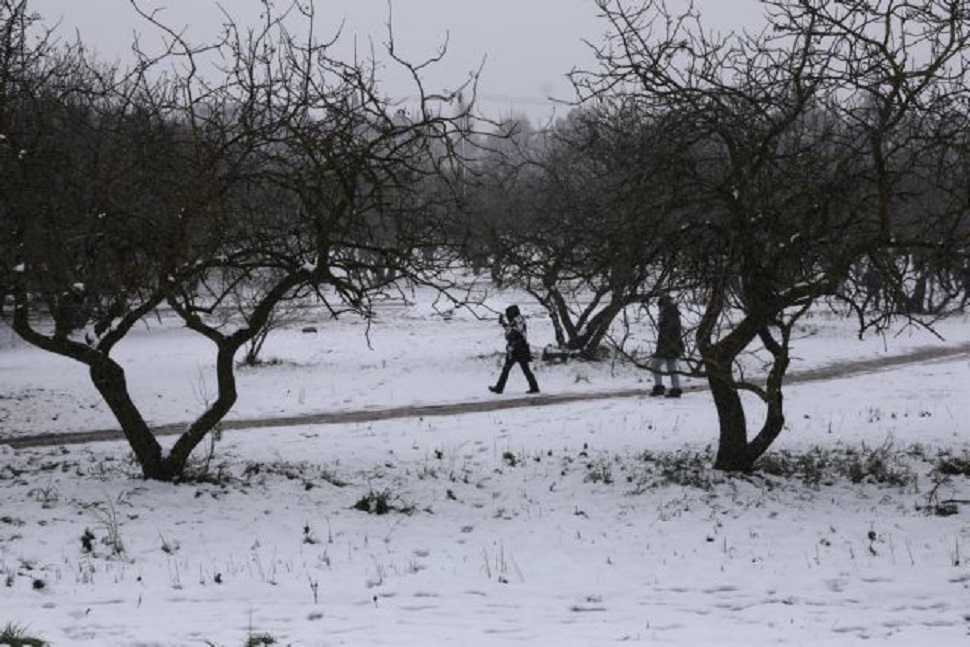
x,y
517,350
670,346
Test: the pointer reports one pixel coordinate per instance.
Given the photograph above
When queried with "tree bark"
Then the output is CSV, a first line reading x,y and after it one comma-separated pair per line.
x,y
109,378
732,444
204,424
773,396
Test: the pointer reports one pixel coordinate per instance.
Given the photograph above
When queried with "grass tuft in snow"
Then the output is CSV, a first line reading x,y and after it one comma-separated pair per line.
x,y
686,468
16,636
109,523
882,465
309,474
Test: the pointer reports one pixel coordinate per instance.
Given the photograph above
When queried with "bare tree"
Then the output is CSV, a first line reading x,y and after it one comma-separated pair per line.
x,y
811,147
289,165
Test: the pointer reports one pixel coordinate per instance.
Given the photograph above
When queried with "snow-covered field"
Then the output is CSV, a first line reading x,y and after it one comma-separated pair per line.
x,y
575,524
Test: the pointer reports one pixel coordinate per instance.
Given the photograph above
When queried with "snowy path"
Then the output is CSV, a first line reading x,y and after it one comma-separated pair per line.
x,y
833,371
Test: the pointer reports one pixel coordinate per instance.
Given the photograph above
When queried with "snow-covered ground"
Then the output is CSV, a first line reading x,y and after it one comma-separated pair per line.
x,y
575,524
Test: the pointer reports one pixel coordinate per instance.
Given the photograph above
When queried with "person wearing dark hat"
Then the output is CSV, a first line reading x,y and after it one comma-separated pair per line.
x,y
670,346
517,350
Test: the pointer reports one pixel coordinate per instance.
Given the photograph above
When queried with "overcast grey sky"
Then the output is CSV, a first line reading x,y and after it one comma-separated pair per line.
x,y
528,46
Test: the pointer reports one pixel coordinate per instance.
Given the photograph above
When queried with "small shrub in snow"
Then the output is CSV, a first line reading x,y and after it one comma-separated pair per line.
x,y
600,471
953,465
258,640
109,522
46,495
382,502
934,504
202,469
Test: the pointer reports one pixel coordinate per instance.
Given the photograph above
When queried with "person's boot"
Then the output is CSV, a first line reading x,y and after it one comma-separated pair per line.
x,y
673,393
658,389
534,389
494,389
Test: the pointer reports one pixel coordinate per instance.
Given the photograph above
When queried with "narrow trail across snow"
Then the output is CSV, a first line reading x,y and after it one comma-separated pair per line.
x,y
835,371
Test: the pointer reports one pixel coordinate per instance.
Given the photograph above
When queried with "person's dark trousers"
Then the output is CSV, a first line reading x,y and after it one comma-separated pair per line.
x,y
504,377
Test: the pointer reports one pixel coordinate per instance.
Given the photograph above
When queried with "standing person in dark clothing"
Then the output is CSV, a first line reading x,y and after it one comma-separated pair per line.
x,y
516,350
964,273
872,284
670,346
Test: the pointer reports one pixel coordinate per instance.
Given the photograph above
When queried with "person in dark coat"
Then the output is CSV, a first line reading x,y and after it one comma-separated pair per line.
x,y
670,346
872,284
517,350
